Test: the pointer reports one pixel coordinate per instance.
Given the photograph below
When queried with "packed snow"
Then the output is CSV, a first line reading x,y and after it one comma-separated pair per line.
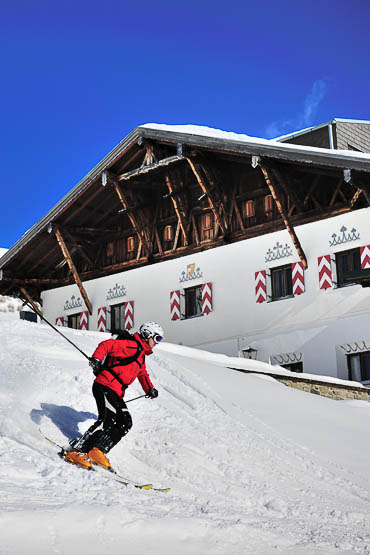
x,y
255,467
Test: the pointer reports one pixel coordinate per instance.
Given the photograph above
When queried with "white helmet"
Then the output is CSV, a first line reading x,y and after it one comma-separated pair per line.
x,y
151,329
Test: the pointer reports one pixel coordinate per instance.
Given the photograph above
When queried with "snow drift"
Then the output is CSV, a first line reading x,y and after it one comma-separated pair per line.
x,y
255,467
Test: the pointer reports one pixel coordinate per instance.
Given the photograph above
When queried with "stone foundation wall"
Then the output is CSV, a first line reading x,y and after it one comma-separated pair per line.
x,y
332,390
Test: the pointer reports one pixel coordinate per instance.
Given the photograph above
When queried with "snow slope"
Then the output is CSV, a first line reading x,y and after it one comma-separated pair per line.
x,y
255,467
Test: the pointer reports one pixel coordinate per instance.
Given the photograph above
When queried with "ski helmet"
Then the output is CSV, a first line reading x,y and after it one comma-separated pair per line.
x,y
151,329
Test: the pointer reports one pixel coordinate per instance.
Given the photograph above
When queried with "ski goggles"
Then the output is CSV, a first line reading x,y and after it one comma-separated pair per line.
x,y
157,338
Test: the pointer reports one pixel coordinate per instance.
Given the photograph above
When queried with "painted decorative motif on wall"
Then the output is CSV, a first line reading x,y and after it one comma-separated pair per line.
x,y
73,303
190,273
344,237
278,252
286,358
356,347
116,292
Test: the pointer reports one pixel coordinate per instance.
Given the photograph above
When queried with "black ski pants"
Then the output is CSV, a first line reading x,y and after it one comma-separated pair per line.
x,y
114,420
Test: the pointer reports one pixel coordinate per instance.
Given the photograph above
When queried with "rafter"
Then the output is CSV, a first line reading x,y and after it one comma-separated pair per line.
x,y
179,208
197,170
139,230
283,215
288,189
73,269
145,169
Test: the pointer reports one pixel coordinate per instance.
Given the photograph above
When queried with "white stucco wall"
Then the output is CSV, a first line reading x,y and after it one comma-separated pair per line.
x,y
314,323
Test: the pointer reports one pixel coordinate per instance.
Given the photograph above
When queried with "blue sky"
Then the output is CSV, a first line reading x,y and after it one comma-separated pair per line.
x,y
76,77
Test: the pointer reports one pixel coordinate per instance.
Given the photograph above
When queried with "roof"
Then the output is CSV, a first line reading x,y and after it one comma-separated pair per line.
x,y
208,139
314,128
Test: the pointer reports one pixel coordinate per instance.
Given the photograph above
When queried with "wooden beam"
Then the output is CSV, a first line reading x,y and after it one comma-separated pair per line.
x,y
288,189
285,219
30,300
140,232
355,198
176,236
73,270
310,192
212,203
146,169
179,209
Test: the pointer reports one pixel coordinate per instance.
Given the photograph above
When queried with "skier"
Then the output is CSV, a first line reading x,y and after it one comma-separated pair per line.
x,y
116,362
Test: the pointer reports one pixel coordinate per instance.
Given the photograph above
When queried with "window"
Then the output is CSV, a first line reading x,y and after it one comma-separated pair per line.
x,y
130,244
168,233
74,321
130,247
359,367
193,301
110,249
294,366
269,206
206,224
281,282
249,209
347,262
117,317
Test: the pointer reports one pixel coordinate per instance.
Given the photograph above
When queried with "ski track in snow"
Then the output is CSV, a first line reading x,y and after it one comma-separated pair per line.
x,y
240,484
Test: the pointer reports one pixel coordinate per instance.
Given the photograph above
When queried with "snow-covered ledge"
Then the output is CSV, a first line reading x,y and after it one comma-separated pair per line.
x,y
326,387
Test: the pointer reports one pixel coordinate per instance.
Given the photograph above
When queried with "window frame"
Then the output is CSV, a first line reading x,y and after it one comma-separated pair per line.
x,y
206,226
290,366
340,274
350,370
113,309
285,269
198,299
74,318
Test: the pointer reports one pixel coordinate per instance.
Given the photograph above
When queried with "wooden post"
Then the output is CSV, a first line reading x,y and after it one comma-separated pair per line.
x,y
72,267
207,192
280,207
180,212
137,228
30,300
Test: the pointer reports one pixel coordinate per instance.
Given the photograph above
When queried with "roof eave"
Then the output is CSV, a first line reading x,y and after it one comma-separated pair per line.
x,y
287,152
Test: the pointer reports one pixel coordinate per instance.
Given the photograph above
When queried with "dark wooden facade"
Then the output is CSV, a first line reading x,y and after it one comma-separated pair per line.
x,y
163,194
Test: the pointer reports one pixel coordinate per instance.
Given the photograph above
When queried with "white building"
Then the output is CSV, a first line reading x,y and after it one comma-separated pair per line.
x,y
230,242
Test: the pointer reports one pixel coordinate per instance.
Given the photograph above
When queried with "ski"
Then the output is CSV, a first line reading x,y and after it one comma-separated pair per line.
x,y
111,473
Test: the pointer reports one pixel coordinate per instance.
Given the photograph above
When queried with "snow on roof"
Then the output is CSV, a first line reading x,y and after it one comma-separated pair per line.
x,y
2,251
204,131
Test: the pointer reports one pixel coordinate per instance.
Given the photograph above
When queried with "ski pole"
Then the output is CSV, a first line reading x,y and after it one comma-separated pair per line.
x,y
55,329
134,399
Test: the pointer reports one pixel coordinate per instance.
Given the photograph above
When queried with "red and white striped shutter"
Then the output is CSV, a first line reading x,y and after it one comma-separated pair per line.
x,y
175,305
109,318
260,283
298,278
365,257
325,272
207,298
60,321
129,315
102,318
84,320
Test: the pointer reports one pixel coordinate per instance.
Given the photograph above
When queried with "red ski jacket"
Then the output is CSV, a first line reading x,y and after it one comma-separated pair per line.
x,y
111,351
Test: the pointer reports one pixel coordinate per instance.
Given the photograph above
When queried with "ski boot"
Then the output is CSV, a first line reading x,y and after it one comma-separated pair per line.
x,y
97,456
80,459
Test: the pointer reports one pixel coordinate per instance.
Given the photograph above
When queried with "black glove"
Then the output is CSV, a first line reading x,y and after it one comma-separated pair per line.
x,y
153,393
95,365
